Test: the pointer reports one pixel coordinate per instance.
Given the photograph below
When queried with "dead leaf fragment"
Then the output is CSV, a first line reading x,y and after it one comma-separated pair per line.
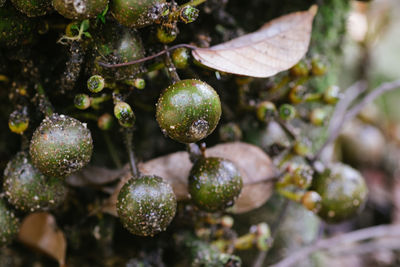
x,y
94,175
276,47
255,166
39,231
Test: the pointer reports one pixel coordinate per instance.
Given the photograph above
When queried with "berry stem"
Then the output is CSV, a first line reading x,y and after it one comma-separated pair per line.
x,y
129,147
170,67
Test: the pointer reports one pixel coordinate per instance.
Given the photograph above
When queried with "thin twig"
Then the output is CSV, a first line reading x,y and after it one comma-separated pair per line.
x,y
340,240
107,65
129,147
170,66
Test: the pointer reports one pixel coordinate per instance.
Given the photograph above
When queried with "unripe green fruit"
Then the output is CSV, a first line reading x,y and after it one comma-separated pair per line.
x,y
188,110
146,206
318,116
61,145
214,184
343,192
82,101
124,113
18,121
105,122
15,28
28,189
300,69
79,9
331,95
266,111
32,8
180,58
167,35
95,83
297,94
9,224
188,14
311,200
116,44
287,112
137,13
318,68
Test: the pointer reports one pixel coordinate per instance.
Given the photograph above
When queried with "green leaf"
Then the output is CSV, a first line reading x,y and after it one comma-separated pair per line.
x,y
87,34
102,15
85,25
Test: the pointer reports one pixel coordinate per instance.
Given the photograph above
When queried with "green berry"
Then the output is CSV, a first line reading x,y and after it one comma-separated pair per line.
x,y
318,116
331,95
188,14
124,113
287,112
180,58
82,101
214,184
9,224
18,121
139,83
15,28
167,35
79,9
95,83
318,68
188,110
302,148
300,69
28,189
116,44
343,192
105,122
146,206
302,176
311,200
61,145
266,111
32,8
137,13
297,94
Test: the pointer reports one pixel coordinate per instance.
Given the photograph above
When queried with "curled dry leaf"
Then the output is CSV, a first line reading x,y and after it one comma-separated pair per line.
x,y
276,47
255,166
94,175
39,231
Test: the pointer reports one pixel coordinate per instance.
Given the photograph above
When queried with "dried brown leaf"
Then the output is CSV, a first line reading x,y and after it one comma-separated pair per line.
x,y
40,232
94,175
255,166
276,47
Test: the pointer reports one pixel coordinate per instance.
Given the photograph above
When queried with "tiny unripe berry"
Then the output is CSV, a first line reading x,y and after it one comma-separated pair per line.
x,y
214,184
146,206
95,83
60,146
318,68
300,69
287,112
180,58
188,14
105,122
18,121
139,83
188,110
318,116
166,34
124,114
9,224
311,200
230,132
301,148
82,101
297,94
266,111
302,176
331,95
343,192
27,189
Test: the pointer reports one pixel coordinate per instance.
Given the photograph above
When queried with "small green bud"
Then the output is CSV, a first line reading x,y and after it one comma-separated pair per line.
x,y
318,68
188,14
300,69
311,200
331,95
82,101
302,176
318,116
266,111
95,83
287,112
18,121
297,94
105,122
180,58
139,83
124,113
301,148
166,34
